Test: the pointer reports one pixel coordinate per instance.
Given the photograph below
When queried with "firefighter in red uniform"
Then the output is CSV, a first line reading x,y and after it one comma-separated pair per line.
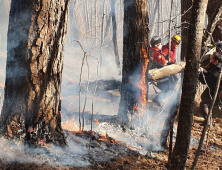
x,y
174,44
159,58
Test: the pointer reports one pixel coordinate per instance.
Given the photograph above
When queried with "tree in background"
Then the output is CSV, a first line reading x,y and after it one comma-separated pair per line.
x,y
185,119
212,10
136,38
35,44
185,20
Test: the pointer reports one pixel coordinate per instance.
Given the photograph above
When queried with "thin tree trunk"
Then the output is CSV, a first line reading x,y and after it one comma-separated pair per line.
x,y
185,20
36,37
102,36
189,85
115,45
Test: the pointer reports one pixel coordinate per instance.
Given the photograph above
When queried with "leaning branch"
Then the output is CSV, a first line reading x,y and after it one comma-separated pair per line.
x,y
211,26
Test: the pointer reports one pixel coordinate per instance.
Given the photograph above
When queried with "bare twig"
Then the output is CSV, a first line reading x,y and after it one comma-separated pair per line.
x,y
172,17
211,27
80,81
92,104
83,115
208,118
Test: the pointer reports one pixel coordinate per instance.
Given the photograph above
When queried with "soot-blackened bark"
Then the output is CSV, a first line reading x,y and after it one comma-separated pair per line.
x,y
189,85
136,34
36,36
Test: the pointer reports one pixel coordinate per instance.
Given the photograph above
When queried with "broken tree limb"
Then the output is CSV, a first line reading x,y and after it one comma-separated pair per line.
x,y
155,74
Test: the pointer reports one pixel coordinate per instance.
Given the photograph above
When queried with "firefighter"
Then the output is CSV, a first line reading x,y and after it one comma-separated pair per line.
x,y
209,77
176,40
159,58
205,59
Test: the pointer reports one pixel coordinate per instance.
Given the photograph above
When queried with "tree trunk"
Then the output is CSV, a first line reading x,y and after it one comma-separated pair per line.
x,y
185,20
136,37
189,85
115,45
36,36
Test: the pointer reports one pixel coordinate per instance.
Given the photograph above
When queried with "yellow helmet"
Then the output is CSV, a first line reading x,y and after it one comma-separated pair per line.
x,y
177,39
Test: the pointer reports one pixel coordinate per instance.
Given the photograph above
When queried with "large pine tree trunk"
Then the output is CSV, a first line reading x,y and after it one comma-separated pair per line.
x,y
185,20
189,84
136,34
36,36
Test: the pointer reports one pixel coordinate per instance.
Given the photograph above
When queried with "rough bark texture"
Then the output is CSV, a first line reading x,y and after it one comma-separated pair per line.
x,y
185,20
136,33
189,85
155,74
36,36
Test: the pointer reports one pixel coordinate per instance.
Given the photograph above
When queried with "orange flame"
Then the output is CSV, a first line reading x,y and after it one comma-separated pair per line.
x,y
70,124
97,121
2,85
142,85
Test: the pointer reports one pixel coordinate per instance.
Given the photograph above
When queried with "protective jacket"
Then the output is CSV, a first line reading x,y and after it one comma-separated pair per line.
x,y
210,77
165,52
157,58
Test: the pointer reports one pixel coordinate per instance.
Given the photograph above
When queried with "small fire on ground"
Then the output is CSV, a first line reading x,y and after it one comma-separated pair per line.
x,y
71,126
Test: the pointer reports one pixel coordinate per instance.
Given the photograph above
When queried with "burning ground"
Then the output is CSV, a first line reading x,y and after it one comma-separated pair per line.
x,y
113,146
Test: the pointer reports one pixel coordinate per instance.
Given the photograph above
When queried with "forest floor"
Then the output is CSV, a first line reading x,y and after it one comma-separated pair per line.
x,y
210,157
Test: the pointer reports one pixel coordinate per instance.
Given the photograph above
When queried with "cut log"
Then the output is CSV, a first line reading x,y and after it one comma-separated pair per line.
x,y
155,74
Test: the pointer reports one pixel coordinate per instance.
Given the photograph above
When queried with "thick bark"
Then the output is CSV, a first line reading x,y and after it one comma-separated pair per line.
x,y
185,20
136,33
155,74
189,85
36,36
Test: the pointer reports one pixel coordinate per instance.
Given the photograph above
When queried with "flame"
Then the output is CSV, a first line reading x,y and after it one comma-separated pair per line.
x,y
30,129
142,99
41,142
97,121
2,85
70,124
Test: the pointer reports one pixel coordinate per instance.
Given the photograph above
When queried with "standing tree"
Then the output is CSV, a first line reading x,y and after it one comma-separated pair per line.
x,y
189,84
185,19
36,35
115,45
135,45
